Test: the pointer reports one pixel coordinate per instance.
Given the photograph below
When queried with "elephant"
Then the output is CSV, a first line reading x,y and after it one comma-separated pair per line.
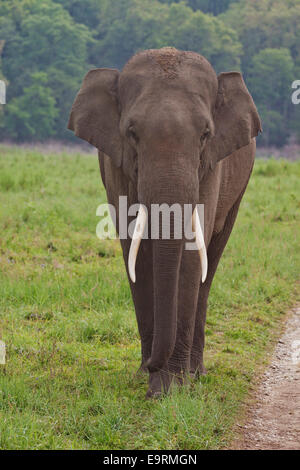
x,y
169,130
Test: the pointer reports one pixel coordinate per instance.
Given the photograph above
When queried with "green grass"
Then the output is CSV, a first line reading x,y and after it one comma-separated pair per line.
x,y
67,317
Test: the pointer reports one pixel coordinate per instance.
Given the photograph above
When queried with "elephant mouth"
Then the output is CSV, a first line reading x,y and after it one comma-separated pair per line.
x,y
138,235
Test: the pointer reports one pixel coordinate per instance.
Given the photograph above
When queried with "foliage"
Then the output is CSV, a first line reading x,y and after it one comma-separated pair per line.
x,y
63,39
137,25
67,317
270,78
33,113
263,26
40,37
207,6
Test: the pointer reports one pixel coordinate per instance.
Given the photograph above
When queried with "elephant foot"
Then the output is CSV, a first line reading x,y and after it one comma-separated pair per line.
x,y
196,365
142,370
198,371
161,382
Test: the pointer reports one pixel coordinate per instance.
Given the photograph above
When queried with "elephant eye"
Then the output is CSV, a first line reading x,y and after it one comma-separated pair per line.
x,y
131,132
205,134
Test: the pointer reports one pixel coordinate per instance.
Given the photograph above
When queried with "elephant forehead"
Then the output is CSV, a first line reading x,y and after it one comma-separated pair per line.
x,y
167,60
170,69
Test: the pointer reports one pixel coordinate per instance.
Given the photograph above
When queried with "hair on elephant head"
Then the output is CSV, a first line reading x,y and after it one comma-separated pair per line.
x,y
166,120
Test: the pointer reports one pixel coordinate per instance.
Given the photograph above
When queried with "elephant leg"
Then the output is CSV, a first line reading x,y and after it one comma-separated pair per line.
x,y
142,294
214,253
187,304
178,366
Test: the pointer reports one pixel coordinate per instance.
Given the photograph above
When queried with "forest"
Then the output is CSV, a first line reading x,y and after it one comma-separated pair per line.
x,y
47,46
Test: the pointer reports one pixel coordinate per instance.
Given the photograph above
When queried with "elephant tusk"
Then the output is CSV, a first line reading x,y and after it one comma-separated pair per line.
x,y
136,241
200,243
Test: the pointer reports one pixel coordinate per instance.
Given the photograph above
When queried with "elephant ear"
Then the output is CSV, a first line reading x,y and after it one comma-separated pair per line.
x,y
95,114
236,118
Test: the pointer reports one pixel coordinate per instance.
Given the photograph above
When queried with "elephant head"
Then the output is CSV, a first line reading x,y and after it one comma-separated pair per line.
x,y
166,119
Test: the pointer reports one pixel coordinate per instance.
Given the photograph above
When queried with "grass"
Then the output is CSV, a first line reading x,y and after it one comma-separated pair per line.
x,y
67,317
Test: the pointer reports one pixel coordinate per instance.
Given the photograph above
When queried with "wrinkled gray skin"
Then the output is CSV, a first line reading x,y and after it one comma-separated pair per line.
x,y
163,127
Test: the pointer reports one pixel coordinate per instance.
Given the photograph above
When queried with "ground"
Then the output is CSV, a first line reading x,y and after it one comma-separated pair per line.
x,y
273,421
67,318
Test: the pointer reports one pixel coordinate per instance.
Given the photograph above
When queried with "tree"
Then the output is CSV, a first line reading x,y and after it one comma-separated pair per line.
x,y
264,24
42,37
32,115
126,27
196,31
270,78
207,6
270,25
85,12
142,24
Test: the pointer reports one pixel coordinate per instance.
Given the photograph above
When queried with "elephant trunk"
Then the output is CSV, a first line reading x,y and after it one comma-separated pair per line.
x,y
166,264
167,256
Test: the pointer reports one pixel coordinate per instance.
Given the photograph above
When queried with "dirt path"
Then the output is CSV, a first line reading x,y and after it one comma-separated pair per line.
x,y
273,422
